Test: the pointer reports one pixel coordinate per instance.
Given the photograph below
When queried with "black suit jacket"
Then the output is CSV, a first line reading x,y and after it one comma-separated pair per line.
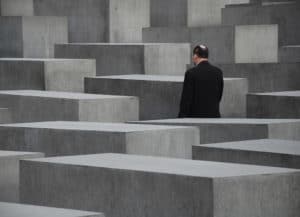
x,y
202,92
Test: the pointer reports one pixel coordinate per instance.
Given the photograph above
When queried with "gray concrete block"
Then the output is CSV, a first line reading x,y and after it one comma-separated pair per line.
x,y
76,138
21,210
30,105
188,12
266,77
274,105
227,130
128,185
277,153
9,174
219,39
256,44
90,20
45,74
160,95
31,36
289,54
5,116
116,59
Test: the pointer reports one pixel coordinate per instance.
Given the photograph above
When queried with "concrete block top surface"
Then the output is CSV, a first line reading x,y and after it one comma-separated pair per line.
x,y
205,169
263,145
22,210
123,44
18,154
91,126
60,95
195,121
284,93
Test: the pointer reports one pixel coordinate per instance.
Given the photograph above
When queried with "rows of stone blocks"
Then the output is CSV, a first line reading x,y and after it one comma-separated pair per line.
x,y
45,74
34,105
75,138
160,95
89,20
129,185
268,152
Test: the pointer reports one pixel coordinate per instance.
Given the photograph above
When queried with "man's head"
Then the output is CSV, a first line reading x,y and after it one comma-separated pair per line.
x,y
200,53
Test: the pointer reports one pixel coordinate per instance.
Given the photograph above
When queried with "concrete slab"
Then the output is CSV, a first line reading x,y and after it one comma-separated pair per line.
x,y
9,173
274,105
226,130
290,54
74,138
132,58
31,36
277,153
160,95
266,77
21,210
90,20
34,105
128,185
45,74
5,116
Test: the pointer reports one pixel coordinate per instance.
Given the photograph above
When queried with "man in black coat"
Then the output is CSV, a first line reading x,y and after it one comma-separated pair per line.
x,y
202,89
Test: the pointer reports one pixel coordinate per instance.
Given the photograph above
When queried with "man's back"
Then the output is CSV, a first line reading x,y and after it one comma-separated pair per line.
x,y
202,92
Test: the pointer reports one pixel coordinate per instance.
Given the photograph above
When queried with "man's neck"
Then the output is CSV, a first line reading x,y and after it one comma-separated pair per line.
x,y
202,60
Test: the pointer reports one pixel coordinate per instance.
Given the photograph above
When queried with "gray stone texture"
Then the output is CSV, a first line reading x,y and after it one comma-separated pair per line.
x,y
128,58
277,153
128,185
227,130
160,95
45,74
22,210
9,174
289,54
5,116
90,20
32,37
274,105
31,105
75,138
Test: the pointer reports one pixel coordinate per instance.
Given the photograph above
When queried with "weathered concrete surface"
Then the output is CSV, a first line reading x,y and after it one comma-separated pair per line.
x,y
274,105
277,153
190,13
219,39
5,116
128,185
226,130
138,58
75,138
266,77
30,105
160,95
31,36
22,210
256,44
286,15
90,20
9,174
45,74
289,54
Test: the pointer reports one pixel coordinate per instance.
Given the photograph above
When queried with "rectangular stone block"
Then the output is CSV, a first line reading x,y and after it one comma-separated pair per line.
x,y
5,116
190,13
128,185
21,210
122,59
256,44
45,74
227,130
76,138
32,37
90,20
289,54
160,95
31,105
265,77
9,174
274,105
277,153
219,39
